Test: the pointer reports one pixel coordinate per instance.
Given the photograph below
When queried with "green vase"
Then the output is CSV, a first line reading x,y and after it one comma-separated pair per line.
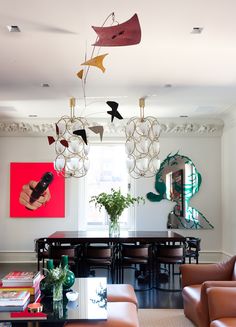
x,y
57,292
45,287
70,276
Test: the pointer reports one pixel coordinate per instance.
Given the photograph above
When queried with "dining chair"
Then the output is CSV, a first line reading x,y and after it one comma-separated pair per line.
x,y
192,249
41,248
135,256
167,257
99,256
72,251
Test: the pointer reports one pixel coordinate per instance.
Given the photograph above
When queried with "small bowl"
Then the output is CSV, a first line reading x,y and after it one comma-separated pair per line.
x,y
72,295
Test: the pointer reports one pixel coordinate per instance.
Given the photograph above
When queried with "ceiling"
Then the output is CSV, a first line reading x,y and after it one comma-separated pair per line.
x,y
179,72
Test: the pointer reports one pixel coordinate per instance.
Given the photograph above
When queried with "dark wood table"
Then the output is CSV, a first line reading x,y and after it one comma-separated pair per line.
x,y
82,238
91,305
79,237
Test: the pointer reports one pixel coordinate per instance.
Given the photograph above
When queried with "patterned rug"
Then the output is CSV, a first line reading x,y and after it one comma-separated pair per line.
x,y
163,318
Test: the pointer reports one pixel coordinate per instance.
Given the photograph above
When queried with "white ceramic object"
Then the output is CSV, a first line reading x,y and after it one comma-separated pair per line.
x,y
72,295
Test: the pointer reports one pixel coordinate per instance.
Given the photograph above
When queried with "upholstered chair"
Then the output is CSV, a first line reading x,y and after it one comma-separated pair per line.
x,y
197,279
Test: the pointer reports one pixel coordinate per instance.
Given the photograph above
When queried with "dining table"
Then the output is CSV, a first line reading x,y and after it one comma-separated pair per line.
x,y
80,237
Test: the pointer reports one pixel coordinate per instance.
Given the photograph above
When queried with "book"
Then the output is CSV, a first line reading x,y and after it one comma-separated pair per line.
x,y
13,298
32,289
21,278
25,314
14,308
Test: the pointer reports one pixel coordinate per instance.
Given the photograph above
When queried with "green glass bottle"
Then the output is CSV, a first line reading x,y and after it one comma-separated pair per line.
x,y
70,276
45,287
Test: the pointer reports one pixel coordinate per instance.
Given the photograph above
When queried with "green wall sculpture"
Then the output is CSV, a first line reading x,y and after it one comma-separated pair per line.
x,y
178,180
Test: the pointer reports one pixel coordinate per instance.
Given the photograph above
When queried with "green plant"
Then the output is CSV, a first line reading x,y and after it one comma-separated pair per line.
x,y
115,202
56,275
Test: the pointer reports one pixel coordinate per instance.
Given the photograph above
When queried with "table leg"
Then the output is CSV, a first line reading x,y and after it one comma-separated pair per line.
x,y
33,324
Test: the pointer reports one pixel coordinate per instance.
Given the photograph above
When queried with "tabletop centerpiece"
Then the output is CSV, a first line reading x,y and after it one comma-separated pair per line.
x,y
57,277
114,203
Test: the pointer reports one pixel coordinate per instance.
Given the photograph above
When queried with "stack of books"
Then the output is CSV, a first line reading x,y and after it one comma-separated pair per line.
x,y
23,281
14,300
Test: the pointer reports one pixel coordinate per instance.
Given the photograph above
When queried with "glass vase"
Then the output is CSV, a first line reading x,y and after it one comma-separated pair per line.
x,y
57,292
70,276
114,227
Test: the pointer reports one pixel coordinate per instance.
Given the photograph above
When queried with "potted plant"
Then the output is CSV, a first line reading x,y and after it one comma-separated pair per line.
x,y
114,204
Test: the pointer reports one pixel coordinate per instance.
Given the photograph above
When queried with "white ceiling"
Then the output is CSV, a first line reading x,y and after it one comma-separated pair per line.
x,y
56,35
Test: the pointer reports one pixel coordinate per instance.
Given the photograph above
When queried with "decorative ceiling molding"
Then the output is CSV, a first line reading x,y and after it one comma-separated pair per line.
x,y
116,129
229,118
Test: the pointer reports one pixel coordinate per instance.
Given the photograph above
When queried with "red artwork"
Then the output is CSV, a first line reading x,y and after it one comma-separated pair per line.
x,y
22,174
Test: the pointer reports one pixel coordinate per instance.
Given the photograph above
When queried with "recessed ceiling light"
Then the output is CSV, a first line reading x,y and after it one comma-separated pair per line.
x,y
13,28
45,85
197,30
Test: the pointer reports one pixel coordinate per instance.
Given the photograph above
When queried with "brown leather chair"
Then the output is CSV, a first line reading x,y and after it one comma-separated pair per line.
x,y
196,279
133,255
120,314
167,257
121,293
222,306
99,256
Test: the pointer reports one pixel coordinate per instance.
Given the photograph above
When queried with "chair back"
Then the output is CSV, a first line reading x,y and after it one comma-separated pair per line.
x,y
98,252
135,251
170,253
192,248
193,243
55,252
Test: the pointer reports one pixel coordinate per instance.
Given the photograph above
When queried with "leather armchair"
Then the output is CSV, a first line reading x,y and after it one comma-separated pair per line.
x,y
222,306
197,279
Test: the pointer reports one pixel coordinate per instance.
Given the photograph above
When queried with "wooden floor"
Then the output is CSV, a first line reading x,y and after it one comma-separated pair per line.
x,y
148,298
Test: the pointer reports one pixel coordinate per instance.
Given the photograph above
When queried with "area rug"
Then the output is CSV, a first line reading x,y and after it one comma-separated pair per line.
x,y
163,318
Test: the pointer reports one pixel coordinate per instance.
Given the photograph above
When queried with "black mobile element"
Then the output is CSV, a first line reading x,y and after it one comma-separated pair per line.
x,y
41,186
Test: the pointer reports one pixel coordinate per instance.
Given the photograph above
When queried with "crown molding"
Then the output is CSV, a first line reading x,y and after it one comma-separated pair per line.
x,y
169,127
229,118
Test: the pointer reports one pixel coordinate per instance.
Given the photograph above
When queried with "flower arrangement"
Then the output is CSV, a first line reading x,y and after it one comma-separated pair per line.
x,y
56,275
55,278
115,203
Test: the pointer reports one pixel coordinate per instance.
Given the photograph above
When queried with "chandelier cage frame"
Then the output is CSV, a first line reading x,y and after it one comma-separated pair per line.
x,y
142,144
71,150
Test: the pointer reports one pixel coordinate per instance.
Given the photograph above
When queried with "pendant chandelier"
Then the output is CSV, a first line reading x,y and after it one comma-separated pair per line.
x,y
142,144
71,145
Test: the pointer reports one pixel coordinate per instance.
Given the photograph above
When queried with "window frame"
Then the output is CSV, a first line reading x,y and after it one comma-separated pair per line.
x,y
83,198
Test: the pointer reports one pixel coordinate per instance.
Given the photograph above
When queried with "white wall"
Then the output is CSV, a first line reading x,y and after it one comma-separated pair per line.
x,y
205,152
228,189
17,234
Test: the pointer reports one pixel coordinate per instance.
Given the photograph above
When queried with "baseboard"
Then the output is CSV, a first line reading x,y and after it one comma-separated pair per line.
x,y
17,256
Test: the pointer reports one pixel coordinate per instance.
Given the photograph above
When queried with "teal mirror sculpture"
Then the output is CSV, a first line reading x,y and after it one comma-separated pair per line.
x,y
178,180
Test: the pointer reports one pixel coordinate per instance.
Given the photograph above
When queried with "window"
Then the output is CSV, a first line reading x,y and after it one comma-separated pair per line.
x,y
107,170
